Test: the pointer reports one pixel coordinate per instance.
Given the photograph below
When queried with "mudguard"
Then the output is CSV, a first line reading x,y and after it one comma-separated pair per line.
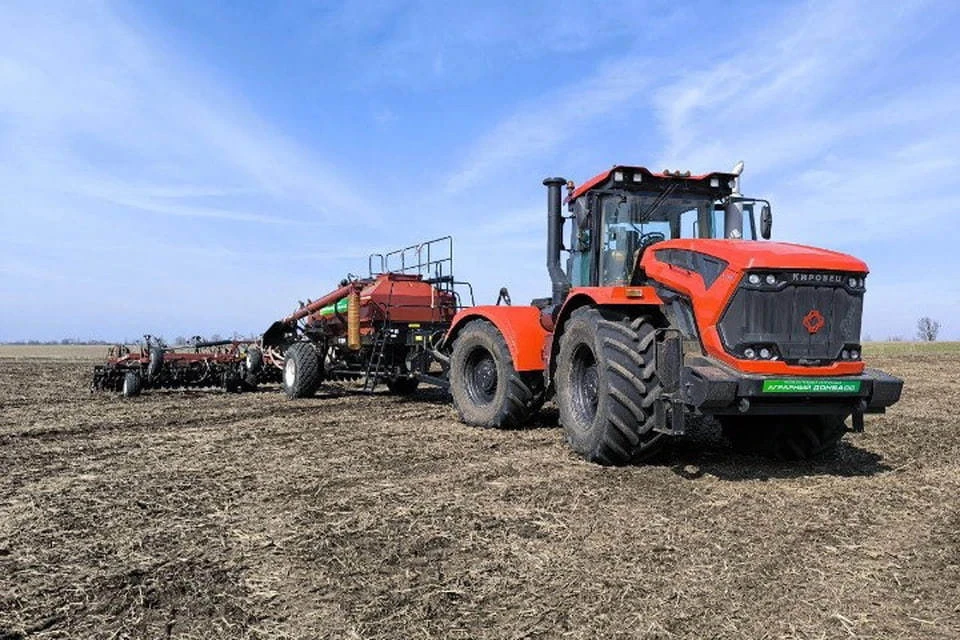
x,y
618,296
519,326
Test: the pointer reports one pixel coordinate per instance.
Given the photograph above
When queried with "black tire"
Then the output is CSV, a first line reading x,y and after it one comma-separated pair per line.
x,y
607,385
156,363
131,385
254,360
302,373
487,391
252,366
403,385
784,437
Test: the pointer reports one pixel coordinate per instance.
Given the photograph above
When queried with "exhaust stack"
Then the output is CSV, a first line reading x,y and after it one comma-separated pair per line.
x,y
559,280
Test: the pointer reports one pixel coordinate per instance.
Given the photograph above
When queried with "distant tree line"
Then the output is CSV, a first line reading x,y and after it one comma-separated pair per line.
x,y
62,341
179,341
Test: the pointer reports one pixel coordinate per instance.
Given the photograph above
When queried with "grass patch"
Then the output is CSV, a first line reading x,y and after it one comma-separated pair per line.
x,y
905,348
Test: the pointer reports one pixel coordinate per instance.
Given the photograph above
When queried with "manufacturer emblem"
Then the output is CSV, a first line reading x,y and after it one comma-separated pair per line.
x,y
814,321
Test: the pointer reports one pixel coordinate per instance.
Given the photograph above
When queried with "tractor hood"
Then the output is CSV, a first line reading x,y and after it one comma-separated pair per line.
x,y
752,254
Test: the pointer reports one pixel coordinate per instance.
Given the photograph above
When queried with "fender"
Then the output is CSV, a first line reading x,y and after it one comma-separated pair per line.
x,y
641,296
519,326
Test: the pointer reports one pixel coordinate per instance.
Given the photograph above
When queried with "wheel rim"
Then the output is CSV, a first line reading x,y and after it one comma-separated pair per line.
x,y
585,384
289,373
481,376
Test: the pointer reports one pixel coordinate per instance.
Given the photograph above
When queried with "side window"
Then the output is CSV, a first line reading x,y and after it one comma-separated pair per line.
x,y
689,227
749,233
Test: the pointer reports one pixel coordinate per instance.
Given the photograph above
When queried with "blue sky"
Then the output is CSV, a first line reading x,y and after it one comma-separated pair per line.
x,y
196,167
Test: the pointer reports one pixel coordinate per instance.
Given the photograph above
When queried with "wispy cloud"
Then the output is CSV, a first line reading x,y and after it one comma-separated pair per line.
x,y
100,99
542,127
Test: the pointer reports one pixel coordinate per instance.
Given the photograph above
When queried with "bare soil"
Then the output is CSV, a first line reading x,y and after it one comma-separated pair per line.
x,y
207,515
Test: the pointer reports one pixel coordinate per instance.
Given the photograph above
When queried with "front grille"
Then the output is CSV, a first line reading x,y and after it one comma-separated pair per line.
x,y
757,315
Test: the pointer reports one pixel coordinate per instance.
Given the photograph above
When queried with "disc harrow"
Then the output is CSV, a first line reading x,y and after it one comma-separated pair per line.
x,y
232,365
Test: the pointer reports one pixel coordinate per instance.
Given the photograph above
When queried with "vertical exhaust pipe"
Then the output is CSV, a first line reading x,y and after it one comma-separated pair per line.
x,y
559,279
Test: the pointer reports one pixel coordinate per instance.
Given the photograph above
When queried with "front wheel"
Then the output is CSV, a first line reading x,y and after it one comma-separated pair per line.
x,y
487,390
784,437
301,370
607,385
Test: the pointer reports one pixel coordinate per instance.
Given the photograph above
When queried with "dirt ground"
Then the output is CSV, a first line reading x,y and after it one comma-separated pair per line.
x,y
206,515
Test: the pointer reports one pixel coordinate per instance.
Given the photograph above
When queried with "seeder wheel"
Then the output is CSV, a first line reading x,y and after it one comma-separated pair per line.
x,y
302,373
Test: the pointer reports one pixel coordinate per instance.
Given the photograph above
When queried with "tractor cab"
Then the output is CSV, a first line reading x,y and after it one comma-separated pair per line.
x,y
618,214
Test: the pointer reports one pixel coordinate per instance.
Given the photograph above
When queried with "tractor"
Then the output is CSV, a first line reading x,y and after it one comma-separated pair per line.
x,y
673,304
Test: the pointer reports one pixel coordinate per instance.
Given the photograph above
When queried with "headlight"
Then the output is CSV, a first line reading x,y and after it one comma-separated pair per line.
x,y
753,279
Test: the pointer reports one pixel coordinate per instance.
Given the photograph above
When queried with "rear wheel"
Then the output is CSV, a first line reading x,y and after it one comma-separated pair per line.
x,y
607,385
301,370
487,390
131,384
784,437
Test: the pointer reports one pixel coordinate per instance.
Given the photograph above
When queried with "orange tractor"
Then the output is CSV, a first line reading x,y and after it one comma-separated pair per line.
x,y
670,306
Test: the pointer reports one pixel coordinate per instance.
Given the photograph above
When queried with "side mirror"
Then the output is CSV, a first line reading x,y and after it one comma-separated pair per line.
x,y
766,222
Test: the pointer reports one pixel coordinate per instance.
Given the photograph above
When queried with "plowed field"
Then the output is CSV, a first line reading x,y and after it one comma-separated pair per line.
x,y
208,515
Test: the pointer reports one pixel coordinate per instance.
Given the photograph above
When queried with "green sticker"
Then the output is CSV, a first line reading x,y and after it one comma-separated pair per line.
x,y
811,386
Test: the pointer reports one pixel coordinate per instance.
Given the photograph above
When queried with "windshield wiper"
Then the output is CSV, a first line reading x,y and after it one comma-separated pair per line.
x,y
660,199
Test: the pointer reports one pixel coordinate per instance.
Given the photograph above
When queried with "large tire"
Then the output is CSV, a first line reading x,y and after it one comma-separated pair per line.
x,y
403,385
607,385
784,437
302,373
487,391
131,384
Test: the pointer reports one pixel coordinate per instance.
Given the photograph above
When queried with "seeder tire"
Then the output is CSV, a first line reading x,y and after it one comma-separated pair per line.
x,y
302,373
607,385
487,390
784,437
131,385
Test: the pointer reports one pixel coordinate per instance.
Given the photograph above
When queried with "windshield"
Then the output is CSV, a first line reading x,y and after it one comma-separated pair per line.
x,y
632,222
